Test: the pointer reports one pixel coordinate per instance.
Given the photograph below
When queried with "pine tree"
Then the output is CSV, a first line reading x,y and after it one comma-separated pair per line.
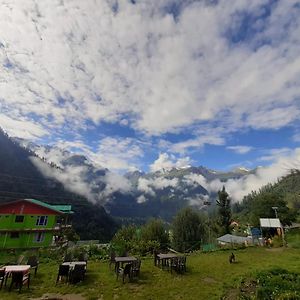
x,y
224,210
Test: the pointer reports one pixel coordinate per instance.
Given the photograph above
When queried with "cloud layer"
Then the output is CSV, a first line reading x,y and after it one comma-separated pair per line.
x,y
157,68
198,70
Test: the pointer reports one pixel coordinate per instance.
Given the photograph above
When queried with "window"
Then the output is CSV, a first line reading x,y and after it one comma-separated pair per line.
x,y
39,237
19,219
14,235
41,220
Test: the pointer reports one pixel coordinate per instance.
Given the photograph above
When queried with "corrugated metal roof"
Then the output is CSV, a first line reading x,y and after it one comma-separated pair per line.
x,y
270,223
229,238
64,208
58,208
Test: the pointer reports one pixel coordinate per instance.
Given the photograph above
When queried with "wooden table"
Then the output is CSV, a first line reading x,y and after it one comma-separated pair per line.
x,y
122,260
72,264
17,268
163,258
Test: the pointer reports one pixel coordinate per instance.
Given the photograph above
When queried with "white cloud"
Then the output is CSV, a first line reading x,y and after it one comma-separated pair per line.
x,y
281,166
275,154
141,199
118,154
144,186
67,63
73,178
166,161
159,183
195,180
115,182
240,149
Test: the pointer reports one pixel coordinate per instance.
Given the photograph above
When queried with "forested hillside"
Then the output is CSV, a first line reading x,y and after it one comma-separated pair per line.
x,y
19,178
282,198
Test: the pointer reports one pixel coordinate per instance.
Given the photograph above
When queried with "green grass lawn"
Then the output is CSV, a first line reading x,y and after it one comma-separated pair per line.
x,y
209,276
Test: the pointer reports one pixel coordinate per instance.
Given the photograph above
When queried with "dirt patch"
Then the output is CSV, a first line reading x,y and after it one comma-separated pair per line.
x,y
247,289
232,294
60,297
209,280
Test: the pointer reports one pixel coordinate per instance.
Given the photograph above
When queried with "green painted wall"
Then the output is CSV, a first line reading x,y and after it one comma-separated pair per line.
x,y
8,222
25,239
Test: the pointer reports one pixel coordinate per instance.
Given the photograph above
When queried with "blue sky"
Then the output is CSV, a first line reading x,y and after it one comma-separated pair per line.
x,y
154,84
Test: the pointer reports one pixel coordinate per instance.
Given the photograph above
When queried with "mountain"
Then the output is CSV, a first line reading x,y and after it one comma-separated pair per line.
x,y
20,178
161,194
137,195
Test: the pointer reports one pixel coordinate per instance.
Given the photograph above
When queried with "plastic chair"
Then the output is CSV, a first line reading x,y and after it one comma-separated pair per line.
x,y
18,279
3,277
63,271
126,271
34,263
77,274
136,266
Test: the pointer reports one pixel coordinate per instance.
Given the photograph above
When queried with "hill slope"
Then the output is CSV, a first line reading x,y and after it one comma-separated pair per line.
x,y
19,178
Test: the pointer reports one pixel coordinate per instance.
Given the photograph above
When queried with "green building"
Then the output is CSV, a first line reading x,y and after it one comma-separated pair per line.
x,y
29,223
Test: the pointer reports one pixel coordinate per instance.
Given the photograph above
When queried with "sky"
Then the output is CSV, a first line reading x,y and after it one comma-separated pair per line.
x,y
153,84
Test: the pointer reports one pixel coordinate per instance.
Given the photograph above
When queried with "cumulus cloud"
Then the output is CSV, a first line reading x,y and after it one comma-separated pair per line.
x,y
238,188
115,182
148,186
166,161
195,180
81,178
118,154
65,65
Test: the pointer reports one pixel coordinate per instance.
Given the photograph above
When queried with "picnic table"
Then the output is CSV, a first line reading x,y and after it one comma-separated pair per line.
x,y
122,260
16,268
163,259
13,270
72,264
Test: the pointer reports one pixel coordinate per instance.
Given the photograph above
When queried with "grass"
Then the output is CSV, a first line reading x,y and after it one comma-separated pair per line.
x,y
209,276
293,238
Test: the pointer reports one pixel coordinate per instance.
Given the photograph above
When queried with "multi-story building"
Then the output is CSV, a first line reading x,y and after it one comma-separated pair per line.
x,y
30,223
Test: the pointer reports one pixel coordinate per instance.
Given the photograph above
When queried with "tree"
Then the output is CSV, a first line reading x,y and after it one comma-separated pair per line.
x,y
155,230
188,229
261,207
224,210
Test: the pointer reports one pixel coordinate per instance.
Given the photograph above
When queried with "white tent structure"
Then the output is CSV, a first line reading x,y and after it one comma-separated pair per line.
x,y
272,223
269,223
233,239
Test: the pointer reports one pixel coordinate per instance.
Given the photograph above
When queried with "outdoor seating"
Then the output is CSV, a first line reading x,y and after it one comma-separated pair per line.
x,y
18,279
178,264
112,259
136,266
63,271
173,265
156,258
34,263
182,264
77,274
126,271
3,277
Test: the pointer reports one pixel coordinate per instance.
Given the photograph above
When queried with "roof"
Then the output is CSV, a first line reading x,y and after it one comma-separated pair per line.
x,y
34,201
229,238
64,208
269,223
61,209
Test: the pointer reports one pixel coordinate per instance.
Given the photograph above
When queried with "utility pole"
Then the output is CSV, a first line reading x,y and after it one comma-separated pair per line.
x,y
275,208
